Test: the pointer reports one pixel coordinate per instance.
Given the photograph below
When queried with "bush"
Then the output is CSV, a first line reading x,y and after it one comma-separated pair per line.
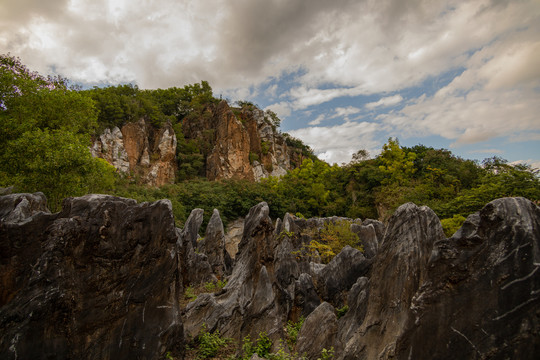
x,y
292,329
451,225
210,343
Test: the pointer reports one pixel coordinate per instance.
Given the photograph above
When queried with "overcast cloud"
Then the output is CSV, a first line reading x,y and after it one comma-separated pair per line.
x,y
354,71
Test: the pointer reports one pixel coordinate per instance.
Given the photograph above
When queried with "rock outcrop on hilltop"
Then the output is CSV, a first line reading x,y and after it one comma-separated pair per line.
x,y
104,278
140,150
244,144
235,143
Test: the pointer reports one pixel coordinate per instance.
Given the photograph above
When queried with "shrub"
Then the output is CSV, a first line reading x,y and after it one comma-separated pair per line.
x,y
292,329
210,343
451,225
327,354
253,157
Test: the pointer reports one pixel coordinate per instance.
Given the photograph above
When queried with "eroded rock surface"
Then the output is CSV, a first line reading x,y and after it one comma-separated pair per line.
x,y
140,149
104,278
98,280
481,295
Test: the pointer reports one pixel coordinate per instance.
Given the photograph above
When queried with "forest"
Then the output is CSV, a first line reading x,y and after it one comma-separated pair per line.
x,y
46,128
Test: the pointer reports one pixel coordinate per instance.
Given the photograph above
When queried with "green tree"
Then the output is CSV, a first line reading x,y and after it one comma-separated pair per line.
x,y
396,164
45,134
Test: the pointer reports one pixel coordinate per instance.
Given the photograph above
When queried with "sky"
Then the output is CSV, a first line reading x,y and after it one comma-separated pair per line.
x,y
342,75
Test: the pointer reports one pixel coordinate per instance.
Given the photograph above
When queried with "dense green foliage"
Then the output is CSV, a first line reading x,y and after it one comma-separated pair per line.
x,y
46,128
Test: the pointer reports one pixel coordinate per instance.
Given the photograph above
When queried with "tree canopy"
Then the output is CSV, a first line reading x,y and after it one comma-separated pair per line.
x,y
46,129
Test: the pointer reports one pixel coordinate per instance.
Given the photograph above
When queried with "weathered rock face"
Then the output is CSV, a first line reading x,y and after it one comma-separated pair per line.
x,y
398,271
239,144
103,279
99,280
244,145
481,295
233,236
318,332
140,149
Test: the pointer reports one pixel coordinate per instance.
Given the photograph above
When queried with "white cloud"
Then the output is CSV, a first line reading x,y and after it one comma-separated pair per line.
x,y
496,96
282,109
534,163
317,121
385,101
346,111
486,151
336,144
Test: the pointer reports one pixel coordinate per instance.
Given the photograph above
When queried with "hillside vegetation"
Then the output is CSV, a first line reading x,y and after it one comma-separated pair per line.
x,y
47,126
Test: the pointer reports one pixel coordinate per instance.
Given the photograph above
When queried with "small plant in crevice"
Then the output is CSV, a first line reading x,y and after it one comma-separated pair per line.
x,y
327,354
282,354
189,294
342,311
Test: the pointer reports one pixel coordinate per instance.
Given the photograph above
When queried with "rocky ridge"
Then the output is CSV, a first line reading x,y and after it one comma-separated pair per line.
x,y
244,144
238,144
103,278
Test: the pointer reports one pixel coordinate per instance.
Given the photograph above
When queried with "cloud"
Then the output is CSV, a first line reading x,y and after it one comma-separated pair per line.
x,y
486,151
386,101
336,144
317,121
534,163
346,111
496,96
282,109
317,51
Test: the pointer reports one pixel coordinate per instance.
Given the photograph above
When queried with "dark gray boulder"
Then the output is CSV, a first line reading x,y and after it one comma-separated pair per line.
x,y
213,246
100,282
357,306
335,279
15,208
318,332
481,298
306,298
368,238
399,269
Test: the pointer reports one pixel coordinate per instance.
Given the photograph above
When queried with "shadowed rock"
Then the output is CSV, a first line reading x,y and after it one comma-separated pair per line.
x,y
481,297
318,331
100,282
399,269
15,208
336,278
213,246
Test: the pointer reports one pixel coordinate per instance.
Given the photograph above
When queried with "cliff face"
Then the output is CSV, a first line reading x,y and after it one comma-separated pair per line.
x,y
141,150
103,279
235,144
244,144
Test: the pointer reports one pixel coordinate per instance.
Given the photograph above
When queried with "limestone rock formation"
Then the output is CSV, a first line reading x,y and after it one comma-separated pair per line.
x,y
97,280
318,332
481,295
233,236
243,144
104,278
140,149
